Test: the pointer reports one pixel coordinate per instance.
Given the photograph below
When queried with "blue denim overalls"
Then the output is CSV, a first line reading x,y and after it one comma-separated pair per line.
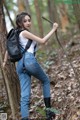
x,y
32,69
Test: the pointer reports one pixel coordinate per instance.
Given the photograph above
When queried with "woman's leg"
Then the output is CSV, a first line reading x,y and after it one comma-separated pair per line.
x,y
25,85
36,70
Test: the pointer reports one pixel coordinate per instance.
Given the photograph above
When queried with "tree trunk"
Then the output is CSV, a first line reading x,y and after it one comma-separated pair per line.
x,y
21,6
52,11
76,8
38,13
64,17
12,23
27,7
10,77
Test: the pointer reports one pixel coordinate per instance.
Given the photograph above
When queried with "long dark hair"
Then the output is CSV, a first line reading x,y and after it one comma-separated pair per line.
x,y
19,19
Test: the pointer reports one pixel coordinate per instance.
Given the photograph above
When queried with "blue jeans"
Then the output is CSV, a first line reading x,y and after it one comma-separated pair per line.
x,y
32,69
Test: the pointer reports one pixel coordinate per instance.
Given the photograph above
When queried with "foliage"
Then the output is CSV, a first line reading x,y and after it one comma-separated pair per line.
x,y
66,1
13,8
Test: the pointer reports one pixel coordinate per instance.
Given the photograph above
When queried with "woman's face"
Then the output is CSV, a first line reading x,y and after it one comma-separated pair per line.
x,y
27,22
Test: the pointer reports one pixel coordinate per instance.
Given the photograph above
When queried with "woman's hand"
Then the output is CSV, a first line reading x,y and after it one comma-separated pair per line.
x,y
5,59
55,26
4,64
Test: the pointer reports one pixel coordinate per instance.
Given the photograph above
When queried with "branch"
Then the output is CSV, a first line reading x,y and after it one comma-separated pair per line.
x,y
9,15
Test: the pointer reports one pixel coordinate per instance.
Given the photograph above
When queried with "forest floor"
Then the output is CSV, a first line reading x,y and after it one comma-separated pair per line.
x,y
64,73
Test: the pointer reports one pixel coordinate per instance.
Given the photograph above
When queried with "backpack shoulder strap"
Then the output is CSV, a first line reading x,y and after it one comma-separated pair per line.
x,y
10,32
29,41
27,45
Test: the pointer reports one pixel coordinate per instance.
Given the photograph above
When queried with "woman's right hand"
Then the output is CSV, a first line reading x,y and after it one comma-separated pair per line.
x,y
4,64
55,26
5,59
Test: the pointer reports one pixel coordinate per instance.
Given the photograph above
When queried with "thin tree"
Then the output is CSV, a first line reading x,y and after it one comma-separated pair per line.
x,y
27,8
21,6
7,11
10,77
53,14
63,16
76,8
38,13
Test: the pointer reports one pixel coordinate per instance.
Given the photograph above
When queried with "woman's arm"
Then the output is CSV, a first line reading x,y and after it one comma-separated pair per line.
x,y
29,35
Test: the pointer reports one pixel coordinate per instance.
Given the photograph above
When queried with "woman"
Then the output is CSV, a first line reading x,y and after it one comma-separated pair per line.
x,y
32,67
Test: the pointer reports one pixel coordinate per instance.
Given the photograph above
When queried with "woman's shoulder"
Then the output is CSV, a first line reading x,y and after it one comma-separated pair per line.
x,y
21,36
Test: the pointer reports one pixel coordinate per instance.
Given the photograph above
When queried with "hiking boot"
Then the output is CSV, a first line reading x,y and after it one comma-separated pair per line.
x,y
50,115
25,119
47,102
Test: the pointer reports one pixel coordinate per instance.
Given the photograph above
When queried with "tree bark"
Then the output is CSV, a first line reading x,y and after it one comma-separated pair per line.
x,y
53,14
27,7
38,13
76,8
10,77
21,6
12,23
64,17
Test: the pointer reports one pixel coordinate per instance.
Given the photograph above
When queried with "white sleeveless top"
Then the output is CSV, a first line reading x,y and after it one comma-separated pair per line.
x,y
24,41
